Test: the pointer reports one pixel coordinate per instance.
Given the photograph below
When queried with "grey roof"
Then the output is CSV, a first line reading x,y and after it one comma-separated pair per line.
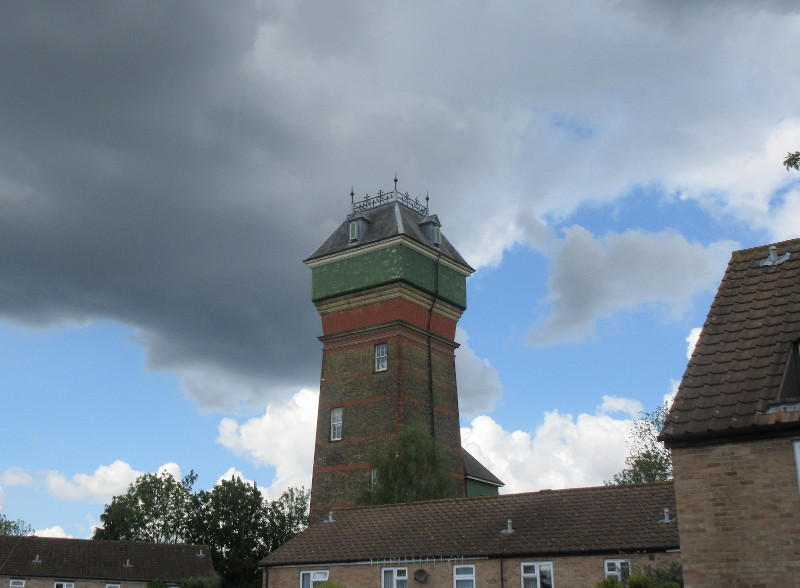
x,y
385,222
72,559
475,469
605,519
731,385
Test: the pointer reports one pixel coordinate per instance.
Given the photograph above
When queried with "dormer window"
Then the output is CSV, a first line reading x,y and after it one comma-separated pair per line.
x,y
355,231
790,383
431,227
437,236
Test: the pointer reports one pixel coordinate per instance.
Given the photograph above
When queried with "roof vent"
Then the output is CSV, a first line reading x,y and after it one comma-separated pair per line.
x,y
127,564
330,518
36,559
509,529
200,553
666,518
772,258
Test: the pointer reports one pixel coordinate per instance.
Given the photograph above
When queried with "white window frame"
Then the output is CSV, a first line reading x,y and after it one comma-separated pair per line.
x,y
16,583
617,572
463,573
337,420
796,446
373,477
536,574
399,578
112,586
381,357
63,584
354,231
314,577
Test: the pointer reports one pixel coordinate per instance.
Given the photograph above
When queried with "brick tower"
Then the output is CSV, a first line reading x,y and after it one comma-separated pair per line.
x,y
390,289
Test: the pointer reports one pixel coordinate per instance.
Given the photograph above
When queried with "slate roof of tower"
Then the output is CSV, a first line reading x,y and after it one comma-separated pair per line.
x,y
102,560
732,381
475,469
605,519
385,222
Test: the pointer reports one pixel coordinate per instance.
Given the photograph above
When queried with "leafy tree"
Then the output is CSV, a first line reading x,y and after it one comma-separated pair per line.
x,y
287,516
411,469
231,519
649,460
155,508
792,161
18,527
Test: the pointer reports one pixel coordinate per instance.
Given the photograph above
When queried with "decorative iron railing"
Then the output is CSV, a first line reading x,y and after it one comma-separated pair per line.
x,y
381,198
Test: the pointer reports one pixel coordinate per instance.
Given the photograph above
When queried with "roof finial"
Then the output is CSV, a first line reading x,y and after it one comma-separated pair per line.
x,y
395,181
352,194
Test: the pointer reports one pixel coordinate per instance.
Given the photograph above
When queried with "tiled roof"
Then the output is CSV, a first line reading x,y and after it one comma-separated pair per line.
x,y
102,560
384,222
735,372
605,519
475,469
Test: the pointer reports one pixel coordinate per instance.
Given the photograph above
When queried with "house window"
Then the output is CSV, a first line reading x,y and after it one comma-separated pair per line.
x,y
311,579
796,445
64,585
463,576
16,583
112,585
536,574
394,578
381,357
618,568
336,423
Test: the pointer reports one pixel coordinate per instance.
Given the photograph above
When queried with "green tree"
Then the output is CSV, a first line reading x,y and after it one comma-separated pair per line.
x,y
411,469
792,161
648,459
156,508
18,527
231,519
287,515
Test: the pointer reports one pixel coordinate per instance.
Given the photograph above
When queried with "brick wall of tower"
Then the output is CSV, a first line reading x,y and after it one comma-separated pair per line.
x,y
738,513
377,405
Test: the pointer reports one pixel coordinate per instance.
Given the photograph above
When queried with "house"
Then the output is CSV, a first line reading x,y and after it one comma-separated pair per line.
x,y
734,428
390,289
45,562
533,540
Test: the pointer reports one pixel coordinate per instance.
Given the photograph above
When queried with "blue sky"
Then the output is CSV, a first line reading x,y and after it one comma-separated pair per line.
x,y
167,167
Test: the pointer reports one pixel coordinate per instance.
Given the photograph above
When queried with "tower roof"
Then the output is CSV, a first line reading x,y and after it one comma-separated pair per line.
x,y
387,215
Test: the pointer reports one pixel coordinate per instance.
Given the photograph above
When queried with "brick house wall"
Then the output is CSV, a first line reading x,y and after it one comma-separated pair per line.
x,y
574,571
739,520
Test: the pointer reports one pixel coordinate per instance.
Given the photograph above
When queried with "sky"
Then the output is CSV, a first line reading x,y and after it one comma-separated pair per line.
x,y
165,167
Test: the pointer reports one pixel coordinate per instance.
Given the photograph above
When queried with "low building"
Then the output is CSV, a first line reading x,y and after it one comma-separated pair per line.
x,y
540,539
45,562
734,428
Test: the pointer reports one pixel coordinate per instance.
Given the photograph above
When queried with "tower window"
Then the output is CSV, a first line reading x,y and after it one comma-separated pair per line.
x,y
381,357
336,423
373,477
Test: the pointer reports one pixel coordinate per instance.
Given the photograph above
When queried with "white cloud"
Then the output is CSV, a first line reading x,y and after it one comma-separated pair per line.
x,y
562,452
16,477
691,339
231,473
594,278
100,486
55,531
478,382
282,437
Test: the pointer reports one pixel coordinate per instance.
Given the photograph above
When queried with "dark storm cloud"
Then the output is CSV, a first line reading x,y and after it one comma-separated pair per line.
x,y
140,182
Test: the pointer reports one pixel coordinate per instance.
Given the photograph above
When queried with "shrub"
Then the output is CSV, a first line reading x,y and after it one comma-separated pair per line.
x,y
609,583
640,581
